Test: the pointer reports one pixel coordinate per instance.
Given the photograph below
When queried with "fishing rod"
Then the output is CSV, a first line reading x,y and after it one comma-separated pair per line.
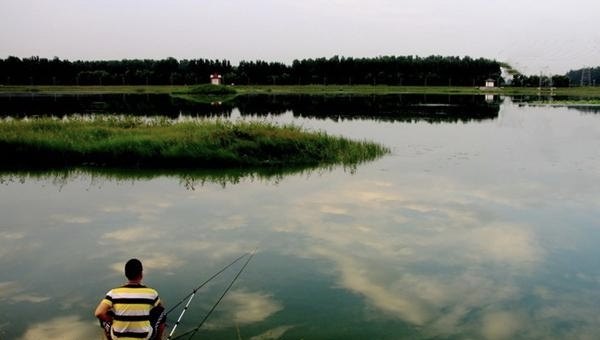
x,y
193,331
207,281
193,293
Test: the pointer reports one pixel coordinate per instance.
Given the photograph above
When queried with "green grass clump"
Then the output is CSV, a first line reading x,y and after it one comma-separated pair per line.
x,y
567,102
201,90
135,142
208,89
206,93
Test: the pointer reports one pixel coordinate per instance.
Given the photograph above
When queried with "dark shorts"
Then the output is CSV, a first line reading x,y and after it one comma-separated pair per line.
x,y
157,318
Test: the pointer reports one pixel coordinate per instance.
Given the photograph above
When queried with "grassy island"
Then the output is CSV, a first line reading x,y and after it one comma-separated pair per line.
x,y
106,141
205,93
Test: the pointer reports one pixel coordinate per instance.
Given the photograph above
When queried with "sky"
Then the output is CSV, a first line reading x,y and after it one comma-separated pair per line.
x,y
550,36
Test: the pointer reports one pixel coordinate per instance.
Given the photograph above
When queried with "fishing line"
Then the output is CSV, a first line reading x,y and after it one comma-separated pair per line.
x,y
193,331
193,293
207,281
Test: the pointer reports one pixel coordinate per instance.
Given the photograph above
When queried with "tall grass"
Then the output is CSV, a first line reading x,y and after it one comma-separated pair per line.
x,y
206,93
136,142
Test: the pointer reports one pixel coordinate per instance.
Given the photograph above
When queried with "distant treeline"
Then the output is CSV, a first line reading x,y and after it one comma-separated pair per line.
x,y
585,76
42,71
520,80
581,77
388,70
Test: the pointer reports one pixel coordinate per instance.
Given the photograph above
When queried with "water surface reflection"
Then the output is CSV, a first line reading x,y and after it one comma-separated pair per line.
x,y
407,107
485,229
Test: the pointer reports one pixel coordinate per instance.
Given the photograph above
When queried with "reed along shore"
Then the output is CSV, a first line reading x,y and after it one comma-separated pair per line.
x,y
105,141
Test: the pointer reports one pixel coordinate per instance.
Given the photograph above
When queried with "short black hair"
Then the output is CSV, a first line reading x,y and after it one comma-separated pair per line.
x,y
133,269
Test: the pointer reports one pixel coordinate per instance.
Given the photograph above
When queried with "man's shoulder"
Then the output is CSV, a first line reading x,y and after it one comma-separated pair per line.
x,y
134,289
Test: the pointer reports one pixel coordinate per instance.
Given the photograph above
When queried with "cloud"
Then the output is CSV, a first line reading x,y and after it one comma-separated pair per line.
x,y
8,289
272,334
250,307
215,250
231,222
14,292
30,298
146,208
242,307
153,263
13,244
438,302
132,234
329,209
11,235
71,219
512,244
392,251
65,327
356,278
456,230
501,325
161,262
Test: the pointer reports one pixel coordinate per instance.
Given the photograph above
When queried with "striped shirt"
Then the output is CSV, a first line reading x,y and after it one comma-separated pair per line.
x,y
131,304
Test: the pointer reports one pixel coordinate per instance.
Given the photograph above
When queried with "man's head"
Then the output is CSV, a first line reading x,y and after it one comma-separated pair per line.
x,y
133,269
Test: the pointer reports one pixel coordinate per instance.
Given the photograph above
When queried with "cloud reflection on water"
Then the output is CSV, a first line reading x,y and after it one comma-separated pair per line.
x,y
271,334
450,261
454,269
14,292
70,219
242,307
14,243
70,327
436,256
155,263
475,249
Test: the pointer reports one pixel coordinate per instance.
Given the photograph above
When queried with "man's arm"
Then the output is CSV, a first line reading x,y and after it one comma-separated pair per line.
x,y
102,312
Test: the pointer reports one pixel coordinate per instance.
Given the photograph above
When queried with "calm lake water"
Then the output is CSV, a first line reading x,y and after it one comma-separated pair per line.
x,y
483,223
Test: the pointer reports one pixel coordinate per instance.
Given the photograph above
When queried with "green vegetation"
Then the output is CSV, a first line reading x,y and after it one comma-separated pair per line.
x,y
567,102
161,143
585,76
209,90
535,81
93,89
353,89
206,93
389,70
445,73
184,91
188,178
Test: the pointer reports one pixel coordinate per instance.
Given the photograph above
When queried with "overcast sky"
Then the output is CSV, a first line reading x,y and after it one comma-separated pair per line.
x,y
549,36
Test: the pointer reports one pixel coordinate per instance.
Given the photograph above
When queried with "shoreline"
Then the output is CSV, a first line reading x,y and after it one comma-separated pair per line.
x,y
593,92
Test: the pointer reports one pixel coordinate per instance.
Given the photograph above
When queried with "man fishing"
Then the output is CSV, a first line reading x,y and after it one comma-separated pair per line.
x,y
132,311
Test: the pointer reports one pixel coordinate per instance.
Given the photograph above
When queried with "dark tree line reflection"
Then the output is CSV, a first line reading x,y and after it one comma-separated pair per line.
x,y
432,108
405,107
130,104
